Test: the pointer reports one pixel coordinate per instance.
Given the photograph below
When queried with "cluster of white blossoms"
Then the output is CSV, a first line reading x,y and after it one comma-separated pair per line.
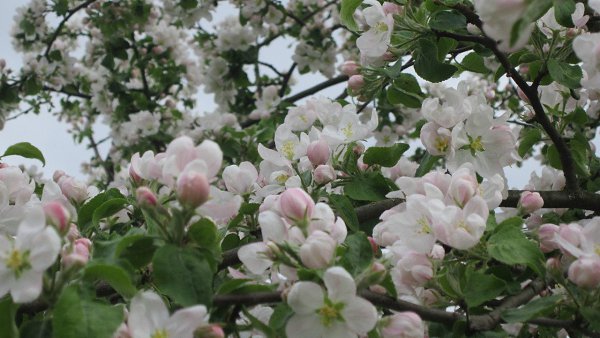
x,y
449,209
462,128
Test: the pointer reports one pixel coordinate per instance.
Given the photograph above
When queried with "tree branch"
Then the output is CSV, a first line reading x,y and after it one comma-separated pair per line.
x,y
60,26
317,88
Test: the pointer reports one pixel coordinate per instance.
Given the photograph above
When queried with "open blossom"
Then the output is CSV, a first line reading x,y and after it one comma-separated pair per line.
x,y
499,18
339,313
582,244
461,228
240,179
24,258
374,42
149,318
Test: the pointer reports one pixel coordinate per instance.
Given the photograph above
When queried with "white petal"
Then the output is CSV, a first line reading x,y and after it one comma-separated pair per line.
x,y
27,287
360,315
305,297
45,247
253,258
339,330
340,284
184,322
147,314
303,326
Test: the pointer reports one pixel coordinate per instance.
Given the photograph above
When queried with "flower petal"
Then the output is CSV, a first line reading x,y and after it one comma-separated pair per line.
x,y
340,284
184,322
360,315
27,287
305,297
251,255
147,314
301,326
45,247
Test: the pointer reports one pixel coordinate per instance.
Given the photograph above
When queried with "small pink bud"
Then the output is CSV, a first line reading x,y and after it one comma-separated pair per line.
x,y
546,235
57,175
145,197
530,201
58,216
192,189
134,175
378,289
377,267
585,271
73,233
318,250
324,174
158,50
391,8
295,204
359,148
212,331
318,152
79,255
73,189
350,68
356,82
389,56
553,264
374,246
438,252
404,324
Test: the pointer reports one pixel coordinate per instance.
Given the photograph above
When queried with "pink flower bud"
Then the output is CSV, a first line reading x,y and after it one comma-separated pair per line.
x,y
437,252
553,264
571,233
295,204
58,216
79,255
73,233
350,68
546,235
192,189
134,175
318,250
318,152
359,148
356,82
73,189
391,8
211,331
145,197
585,271
389,56
374,246
57,175
324,174
530,201
404,324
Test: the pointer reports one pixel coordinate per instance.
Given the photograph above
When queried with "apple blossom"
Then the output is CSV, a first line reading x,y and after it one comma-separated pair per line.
x,y
296,205
374,42
318,249
192,189
530,201
339,313
403,324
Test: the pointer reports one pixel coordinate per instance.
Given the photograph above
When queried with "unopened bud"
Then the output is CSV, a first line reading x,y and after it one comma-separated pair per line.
x,y
73,189
530,201
356,82
318,152
391,8
145,197
193,189
324,174
350,68
58,216
295,204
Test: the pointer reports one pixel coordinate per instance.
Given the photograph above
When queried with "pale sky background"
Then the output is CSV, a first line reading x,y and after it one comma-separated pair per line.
x,y
61,152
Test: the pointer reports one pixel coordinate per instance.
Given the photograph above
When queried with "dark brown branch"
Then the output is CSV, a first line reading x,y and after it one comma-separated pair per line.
x,y
286,79
60,26
248,299
317,88
67,92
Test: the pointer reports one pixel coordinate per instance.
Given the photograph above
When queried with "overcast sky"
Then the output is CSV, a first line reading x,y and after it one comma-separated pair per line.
x,y
61,152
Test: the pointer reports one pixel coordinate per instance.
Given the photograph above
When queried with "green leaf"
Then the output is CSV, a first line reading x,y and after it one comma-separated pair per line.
x,y
86,212
535,308
447,21
25,149
359,253
115,275
535,10
427,163
76,315
8,327
385,156
280,316
343,207
107,209
562,12
473,62
183,274
579,147
399,96
367,188
553,157
427,65
482,287
36,328
347,13
188,4
565,74
530,138
510,246
204,233
592,316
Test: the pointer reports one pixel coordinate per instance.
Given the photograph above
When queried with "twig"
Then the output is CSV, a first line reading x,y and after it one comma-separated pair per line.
x,y
317,88
60,26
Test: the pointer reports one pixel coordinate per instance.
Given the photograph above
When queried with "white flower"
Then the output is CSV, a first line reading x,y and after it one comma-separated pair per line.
x,y
340,313
499,17
240,179
461,228
24,259
374,42
149,318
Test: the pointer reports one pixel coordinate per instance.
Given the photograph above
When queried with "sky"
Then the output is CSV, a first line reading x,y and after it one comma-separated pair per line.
x,y
63,153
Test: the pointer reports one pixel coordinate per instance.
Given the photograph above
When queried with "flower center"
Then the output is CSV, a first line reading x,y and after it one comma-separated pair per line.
x,y
288,149
160,334
381,27
597,249
347,130
441,144
330,313
425,228
476,145
18,262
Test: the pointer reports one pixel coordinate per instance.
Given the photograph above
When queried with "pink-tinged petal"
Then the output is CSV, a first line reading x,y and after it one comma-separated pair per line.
x,y
147,313
272,226
27,287
340,284
211,154
305,297
44,248
253,257
360,315
303,326
184,322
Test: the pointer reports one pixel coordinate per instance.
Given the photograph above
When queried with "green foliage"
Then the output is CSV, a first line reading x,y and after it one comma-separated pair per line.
x,y
385,156
535,308
565,74
25,149
344,208
7,318
359,253
347,13
427,64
